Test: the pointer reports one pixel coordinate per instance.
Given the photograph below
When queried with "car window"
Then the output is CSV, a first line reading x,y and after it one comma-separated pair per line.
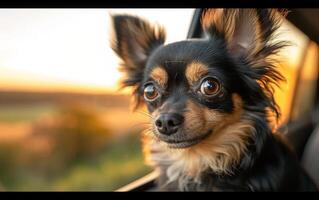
x,y
64,124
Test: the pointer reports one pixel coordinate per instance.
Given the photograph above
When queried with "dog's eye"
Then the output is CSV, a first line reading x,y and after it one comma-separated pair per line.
x,y
210,86
150,92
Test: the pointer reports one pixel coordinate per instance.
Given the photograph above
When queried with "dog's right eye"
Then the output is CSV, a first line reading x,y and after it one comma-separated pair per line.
x,y
150,92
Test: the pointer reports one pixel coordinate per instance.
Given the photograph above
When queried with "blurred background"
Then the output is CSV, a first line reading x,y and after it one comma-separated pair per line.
x,y
64,123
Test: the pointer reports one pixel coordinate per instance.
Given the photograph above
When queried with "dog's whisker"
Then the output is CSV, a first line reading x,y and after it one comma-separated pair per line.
x,y
145,114
140,125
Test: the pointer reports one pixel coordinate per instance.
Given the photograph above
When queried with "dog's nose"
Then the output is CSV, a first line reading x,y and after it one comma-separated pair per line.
x,y
168,123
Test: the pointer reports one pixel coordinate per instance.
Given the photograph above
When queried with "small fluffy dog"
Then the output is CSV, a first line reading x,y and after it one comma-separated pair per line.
x,y
210,101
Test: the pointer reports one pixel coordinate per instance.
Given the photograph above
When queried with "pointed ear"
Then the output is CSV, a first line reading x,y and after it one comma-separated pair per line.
x,y
246,31
249,35
133,41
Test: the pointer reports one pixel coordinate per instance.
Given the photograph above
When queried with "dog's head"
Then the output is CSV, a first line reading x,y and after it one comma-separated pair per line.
x,y
195,88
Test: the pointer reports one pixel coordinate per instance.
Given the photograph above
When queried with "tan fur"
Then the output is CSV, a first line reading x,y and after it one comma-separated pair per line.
x,y
222,19
219,152
137,30
195,71
240,27
159,75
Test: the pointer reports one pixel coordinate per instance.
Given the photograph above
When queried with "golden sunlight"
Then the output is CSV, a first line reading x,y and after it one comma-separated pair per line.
x,y
68,49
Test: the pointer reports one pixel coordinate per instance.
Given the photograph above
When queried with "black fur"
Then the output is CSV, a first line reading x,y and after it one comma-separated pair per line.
x,y
174,57
268,164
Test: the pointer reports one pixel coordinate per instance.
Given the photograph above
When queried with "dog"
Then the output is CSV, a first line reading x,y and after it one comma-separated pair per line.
x,y
210,102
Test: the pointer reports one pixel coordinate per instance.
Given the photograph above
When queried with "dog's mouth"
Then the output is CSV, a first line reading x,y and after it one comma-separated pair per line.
x,y
179,144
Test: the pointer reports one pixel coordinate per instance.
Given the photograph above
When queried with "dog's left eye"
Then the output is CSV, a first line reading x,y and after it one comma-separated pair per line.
x,y
210,86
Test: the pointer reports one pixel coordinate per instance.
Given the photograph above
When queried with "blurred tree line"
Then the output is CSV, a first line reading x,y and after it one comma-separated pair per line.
x,y
75,132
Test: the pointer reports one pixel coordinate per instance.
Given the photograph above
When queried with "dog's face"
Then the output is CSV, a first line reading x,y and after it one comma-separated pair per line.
x,y
195,88
189,93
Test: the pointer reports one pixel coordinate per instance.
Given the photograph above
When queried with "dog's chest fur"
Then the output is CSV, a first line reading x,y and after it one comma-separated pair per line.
x,y
197,169
274,169
207,181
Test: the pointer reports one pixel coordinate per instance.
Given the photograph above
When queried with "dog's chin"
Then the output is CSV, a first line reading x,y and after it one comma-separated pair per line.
x,y
181,144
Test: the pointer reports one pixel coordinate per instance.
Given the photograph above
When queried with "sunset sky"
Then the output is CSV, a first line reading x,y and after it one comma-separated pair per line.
x,y
68,49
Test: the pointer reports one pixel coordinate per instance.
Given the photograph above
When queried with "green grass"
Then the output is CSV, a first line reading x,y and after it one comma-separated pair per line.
x,y
22,113
119,164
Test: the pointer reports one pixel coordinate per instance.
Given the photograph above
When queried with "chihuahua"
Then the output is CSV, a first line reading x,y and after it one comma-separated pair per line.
x,y
210,101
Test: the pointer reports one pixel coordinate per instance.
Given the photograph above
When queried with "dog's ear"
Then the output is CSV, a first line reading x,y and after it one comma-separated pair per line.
x,y
246,31
133,41
249,36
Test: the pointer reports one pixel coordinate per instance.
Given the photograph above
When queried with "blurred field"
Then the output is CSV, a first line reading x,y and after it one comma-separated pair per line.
x,y
19,113
114,167
53,141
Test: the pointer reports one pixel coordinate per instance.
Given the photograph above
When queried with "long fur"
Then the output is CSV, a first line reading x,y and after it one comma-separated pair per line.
x,y
134,40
